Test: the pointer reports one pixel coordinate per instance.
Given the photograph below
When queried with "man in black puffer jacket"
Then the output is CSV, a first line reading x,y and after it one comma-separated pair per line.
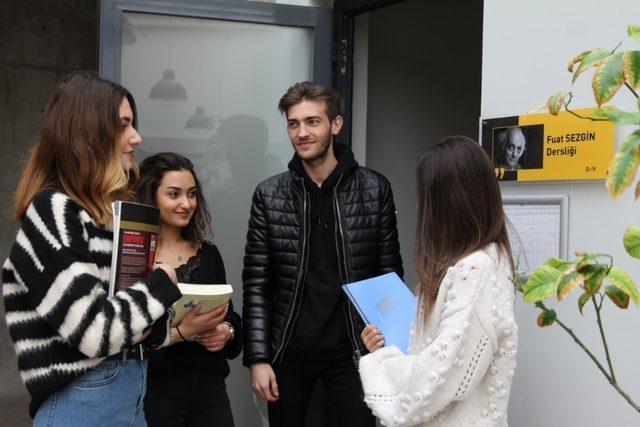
x,y
323,223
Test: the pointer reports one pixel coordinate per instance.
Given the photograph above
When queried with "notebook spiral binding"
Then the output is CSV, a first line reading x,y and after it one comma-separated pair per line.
x,y
355,304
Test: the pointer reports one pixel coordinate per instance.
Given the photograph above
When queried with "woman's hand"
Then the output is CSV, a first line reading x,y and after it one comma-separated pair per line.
x,y
215,339
194,324
372,338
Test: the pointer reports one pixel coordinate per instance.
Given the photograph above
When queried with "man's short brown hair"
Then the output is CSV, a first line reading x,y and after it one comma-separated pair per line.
x,y
308,91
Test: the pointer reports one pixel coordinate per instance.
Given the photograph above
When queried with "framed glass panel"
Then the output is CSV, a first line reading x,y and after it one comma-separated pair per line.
x,y
207,77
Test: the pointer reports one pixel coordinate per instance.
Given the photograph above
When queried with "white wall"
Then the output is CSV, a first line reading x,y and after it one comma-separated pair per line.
x,y
526,48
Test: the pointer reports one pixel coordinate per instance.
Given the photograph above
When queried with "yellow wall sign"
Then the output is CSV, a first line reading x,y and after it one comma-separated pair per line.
x,y
542,147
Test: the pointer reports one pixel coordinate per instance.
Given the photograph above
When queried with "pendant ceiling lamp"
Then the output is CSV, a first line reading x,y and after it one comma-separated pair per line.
x,y
200,122
168,91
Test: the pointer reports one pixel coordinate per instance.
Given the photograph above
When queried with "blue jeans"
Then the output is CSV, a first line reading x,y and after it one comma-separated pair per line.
x,y
110,394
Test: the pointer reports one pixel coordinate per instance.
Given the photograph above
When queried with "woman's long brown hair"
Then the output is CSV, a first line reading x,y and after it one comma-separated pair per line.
x,y
76,151
459,212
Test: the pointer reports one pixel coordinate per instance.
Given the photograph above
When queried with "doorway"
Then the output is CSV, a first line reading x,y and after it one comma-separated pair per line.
x,y
415,79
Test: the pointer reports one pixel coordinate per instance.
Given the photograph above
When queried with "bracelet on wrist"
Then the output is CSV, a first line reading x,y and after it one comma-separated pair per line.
x,y
232,331
180,333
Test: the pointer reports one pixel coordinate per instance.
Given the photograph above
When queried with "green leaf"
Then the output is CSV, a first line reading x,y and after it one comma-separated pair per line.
x,y
618,117
593,59
594,275
583,300
546,317
556,102
568,281
608,78
558,263
634,32
621,279
631,66
618,296
542,284
624,165
631,241
579,57
586,258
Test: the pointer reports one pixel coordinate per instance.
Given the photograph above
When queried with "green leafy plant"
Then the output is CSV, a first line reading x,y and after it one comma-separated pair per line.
x,y
594,273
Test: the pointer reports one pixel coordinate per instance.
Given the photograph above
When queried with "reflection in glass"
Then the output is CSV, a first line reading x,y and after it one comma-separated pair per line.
x,y
239,71
168,91
200,121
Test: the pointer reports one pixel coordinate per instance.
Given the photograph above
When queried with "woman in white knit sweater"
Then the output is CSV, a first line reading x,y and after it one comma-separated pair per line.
x,y
463,342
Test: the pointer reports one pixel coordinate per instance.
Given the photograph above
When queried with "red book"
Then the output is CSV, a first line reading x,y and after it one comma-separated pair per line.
x,y
135,234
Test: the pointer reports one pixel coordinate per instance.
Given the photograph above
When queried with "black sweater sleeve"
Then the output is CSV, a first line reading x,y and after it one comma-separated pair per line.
x,y
233,347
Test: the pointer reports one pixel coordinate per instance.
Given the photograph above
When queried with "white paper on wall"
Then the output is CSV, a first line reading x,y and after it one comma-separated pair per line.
x,y
534,233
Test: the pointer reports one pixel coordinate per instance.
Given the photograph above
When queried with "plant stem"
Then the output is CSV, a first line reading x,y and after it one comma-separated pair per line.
x,y
580,343
595,360
593,119
631,89
616,48
626,396
604,340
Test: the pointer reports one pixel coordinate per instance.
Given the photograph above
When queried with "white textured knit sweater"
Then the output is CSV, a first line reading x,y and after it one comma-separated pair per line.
x,y
459,368
55,284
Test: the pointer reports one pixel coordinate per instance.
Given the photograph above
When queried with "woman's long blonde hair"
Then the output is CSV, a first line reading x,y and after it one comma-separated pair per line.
x,y
76,151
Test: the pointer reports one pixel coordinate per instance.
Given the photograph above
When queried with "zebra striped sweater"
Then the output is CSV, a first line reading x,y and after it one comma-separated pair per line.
x,y
55,283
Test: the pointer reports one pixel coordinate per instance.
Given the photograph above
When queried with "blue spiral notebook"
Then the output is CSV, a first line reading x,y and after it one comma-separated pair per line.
x,y
386,302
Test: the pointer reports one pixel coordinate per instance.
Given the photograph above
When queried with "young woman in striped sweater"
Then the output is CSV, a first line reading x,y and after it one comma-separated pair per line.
x,y
76,346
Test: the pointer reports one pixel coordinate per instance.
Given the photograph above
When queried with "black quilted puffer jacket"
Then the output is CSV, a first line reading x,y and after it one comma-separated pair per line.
x,y
276,253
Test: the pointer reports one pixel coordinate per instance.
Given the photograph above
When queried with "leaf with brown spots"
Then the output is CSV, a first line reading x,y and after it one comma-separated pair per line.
x,y
578,58
592,59
583,300
631,61
594,275
623,281
546,317
618,296
568,281
556,102
608,78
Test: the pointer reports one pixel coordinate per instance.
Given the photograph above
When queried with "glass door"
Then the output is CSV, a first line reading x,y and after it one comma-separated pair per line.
x,y
207,77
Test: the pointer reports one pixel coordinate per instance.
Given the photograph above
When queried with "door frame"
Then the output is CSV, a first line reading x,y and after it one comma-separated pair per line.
x,y
344,14
316,18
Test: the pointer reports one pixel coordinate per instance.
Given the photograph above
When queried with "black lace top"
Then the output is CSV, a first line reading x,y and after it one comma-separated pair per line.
x,y
187,272
205,266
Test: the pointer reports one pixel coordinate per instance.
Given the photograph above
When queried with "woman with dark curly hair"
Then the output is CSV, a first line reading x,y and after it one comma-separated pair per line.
x,y
186,382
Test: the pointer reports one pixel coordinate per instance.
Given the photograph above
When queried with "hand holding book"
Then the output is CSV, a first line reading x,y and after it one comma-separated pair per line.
x,y
216,338
386,302
193,324
372,338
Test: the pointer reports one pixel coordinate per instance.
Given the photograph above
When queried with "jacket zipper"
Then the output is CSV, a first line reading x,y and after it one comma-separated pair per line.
x,y
357,353
296,307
